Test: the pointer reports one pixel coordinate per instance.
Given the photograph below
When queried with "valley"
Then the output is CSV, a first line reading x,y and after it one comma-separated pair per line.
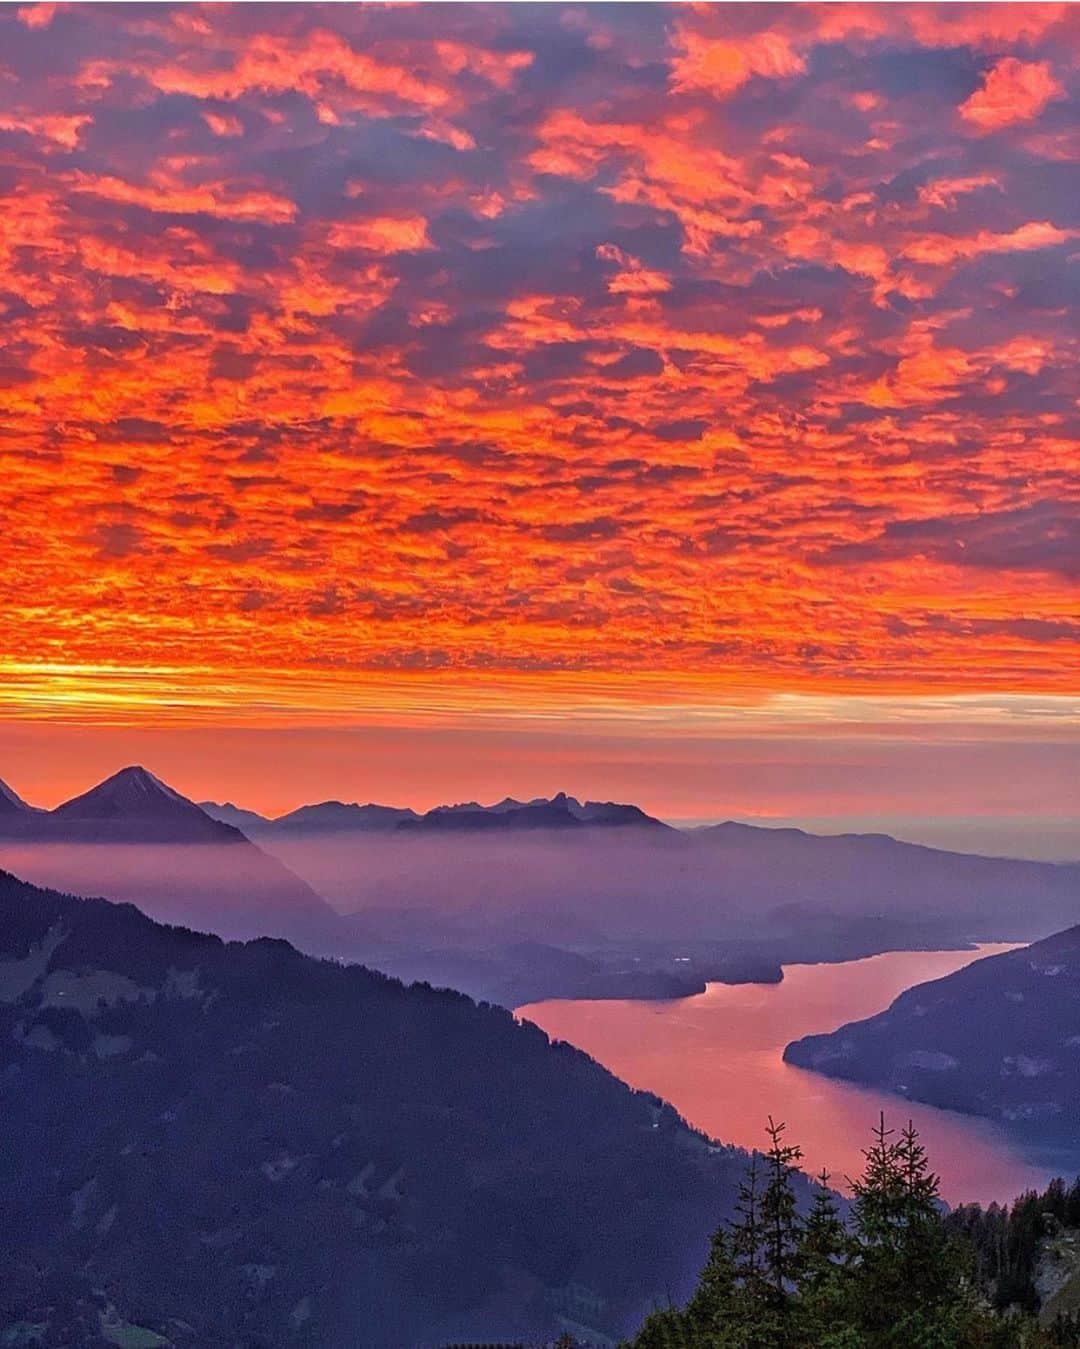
x,y
719,1058
688,963
539,666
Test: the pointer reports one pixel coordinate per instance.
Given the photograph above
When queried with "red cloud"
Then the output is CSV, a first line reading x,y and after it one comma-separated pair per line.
x,y
223,124
1013,91
474,357
941,249
381,234
38,16
720,66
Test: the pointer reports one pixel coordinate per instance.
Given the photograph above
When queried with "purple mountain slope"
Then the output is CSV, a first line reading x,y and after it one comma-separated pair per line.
x,y
135,837
134,806
12,804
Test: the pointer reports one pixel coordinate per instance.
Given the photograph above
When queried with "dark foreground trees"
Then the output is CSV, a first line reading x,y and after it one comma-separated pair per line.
x,y
888,1273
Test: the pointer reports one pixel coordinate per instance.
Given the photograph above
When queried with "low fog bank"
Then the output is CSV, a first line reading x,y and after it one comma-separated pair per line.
x,y
640,913
619,912
732,882
578,887
237,892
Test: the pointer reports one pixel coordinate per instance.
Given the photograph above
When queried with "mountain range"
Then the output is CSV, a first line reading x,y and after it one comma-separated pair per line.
x,y
323,817
130,806
843,872
999,1038
134,837
632,874
210,1144
338,817
522,900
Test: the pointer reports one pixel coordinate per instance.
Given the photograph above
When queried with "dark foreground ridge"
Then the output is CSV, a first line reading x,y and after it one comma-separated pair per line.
x,y
231,1144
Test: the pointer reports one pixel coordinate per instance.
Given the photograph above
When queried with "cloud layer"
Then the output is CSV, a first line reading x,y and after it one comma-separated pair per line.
x,y
736,340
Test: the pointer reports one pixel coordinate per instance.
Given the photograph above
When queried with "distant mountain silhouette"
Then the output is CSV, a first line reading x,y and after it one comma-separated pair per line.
x,y
875,873
242,1145
324,817
133,806
339,817
334,816
249,822
449,895
558,812
999,1038
133,836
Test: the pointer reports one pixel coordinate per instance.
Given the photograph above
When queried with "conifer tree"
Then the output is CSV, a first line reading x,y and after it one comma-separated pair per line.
x,y
824,1274
666,1329
779,1213
826,1245
896,1278
747,1236
717,1303
754,1323
909,1287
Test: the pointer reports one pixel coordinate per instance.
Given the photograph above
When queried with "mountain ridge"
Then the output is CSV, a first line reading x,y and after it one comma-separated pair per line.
x,y
737,828
555,812
246,1144
135,805
450,893
133,836
999,1038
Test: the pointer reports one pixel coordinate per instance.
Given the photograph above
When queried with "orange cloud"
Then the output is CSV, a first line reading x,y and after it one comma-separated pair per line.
x,y
38,16
369,343
63,131
274,64
497,68
945,192
381,234
223,124
720,67
941,249
923,377
165,193
1012,91
631,278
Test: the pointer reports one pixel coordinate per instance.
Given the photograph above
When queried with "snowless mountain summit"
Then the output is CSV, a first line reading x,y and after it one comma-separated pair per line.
x,y
143,808
131,791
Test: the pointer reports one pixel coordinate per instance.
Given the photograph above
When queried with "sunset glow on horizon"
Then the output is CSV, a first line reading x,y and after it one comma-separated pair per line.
x,y
634,372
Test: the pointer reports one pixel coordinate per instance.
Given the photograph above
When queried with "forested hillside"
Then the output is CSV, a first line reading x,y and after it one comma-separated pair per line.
x,y
233,1144
890,1271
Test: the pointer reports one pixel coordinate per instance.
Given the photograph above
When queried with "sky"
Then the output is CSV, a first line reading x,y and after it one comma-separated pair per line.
x,y
425,402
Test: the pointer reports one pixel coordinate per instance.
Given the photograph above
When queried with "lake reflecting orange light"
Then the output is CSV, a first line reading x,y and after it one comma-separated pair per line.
x,y
717,1059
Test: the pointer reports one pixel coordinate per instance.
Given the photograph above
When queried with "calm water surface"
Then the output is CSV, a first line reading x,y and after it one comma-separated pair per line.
x,y
717,1058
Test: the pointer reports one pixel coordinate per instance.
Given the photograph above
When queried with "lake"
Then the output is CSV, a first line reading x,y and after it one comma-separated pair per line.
x,y
717,1058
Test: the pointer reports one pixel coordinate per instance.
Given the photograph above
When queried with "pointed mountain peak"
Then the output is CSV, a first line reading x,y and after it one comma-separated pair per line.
x,y
138,779
132,793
